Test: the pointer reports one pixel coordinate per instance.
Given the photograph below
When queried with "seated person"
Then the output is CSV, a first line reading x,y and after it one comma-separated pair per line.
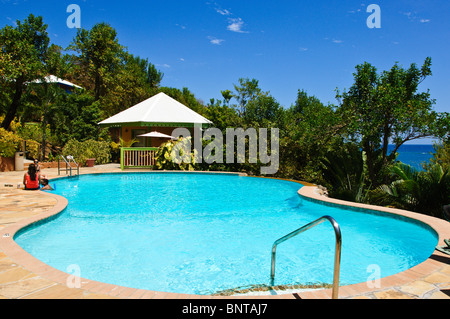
x,y
31,178
45,185
38,168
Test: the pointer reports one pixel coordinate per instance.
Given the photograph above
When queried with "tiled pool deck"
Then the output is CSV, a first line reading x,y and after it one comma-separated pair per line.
x,y
24,277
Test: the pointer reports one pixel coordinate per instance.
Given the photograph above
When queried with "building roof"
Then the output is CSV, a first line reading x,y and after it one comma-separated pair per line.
x,y
54,79
159,109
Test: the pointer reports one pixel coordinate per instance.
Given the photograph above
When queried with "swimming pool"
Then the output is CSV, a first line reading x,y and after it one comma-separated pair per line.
x,y
203,233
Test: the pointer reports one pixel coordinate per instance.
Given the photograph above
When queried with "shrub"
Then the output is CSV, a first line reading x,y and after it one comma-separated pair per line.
x,y
165,154
81,151
424,192
9,143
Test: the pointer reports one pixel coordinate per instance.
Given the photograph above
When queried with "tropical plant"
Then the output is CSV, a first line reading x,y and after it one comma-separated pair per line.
x,y
345,171
176,155
425,192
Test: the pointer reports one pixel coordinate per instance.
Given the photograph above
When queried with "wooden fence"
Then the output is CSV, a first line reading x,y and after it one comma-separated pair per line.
x,y
137,157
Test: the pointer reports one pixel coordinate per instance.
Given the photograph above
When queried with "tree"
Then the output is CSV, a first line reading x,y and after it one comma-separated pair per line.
x,y
227,96
101,55
57,63
385,108
129,86
154,76
309,132
263,109
246,91
222,115
23,51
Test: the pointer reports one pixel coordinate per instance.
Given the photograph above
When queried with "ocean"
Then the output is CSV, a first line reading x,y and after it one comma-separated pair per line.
x,y
414,155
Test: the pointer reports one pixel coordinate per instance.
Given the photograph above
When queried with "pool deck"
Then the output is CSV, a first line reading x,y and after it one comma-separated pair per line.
x,y
24,277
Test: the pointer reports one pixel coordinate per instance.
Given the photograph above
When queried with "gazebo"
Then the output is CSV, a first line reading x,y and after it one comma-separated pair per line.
x,y
161,114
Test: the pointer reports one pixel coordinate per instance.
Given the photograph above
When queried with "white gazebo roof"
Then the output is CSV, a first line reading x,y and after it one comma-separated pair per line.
x,y
159,109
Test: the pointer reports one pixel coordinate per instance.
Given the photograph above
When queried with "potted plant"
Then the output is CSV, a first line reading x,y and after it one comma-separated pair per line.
x,y
90,159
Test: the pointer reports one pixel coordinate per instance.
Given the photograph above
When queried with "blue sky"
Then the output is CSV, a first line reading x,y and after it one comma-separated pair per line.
x,y
208,45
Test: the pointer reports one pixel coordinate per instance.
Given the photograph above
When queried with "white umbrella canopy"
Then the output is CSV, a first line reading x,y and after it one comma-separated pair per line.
x,y
157,134
54,79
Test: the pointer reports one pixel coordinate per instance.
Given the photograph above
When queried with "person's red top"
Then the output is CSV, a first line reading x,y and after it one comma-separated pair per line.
x,y
32,184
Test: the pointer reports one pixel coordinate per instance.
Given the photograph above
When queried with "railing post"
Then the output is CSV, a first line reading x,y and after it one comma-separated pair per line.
x,y
337,254
121,158
137,157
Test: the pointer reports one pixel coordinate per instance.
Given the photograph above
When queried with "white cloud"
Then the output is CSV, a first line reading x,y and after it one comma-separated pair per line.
x,y
337,41
235,25
303,49
223,12
215,41
165,65
412,16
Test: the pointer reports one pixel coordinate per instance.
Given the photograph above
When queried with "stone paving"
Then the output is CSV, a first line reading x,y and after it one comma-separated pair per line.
x,y
35,280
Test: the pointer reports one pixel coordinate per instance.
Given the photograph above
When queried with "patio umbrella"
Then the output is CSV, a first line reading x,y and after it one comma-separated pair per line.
x,y
157,134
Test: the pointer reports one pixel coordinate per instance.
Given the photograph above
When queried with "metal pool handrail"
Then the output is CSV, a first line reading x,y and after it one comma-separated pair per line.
x,y
68,166
337,256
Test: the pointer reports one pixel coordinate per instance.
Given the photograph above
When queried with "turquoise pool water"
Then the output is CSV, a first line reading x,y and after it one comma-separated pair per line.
x,y
201,233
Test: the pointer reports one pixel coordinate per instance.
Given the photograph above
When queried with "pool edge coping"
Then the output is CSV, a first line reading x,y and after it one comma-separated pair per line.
x,y
12,250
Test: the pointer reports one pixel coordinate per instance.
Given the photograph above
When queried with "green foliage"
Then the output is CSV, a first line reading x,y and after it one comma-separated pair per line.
x,y
23,51
76,116
246,91
9,143
308,132
101,55
154,76
264,109
345,171
425,192
81,151
223,116
441,155
175,149
382,108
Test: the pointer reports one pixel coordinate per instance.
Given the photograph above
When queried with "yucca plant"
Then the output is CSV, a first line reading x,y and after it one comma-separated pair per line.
x,y
346,173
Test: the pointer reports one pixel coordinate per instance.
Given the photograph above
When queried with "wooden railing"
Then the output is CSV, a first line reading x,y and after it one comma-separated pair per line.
x,y
137,157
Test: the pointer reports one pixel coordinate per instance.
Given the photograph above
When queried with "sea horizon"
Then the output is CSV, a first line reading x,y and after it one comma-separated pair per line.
x,y
414,154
